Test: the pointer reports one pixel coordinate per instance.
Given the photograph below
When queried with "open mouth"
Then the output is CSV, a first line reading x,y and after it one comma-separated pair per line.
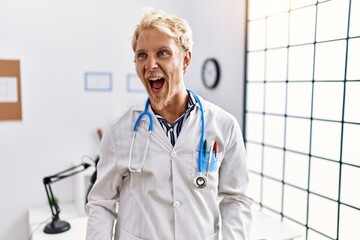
x,y
157,83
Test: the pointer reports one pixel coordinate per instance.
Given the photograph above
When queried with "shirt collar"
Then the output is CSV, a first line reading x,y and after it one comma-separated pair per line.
x,y
191,105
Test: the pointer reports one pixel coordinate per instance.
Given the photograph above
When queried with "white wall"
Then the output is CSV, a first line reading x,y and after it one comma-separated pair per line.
x,y
57,42
219,31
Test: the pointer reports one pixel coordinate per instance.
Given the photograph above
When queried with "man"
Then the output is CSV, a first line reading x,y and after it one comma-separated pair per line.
x,y
174,186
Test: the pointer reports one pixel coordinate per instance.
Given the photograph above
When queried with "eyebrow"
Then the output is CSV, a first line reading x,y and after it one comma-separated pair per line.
x,y
157,49
139,50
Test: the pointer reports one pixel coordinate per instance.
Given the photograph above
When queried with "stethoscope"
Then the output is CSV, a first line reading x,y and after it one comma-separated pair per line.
x,y
201,179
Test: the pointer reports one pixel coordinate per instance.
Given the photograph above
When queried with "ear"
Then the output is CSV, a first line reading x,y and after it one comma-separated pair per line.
x,y
187,60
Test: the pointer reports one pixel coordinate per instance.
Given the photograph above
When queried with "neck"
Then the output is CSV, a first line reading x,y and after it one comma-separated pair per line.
x,y
175,108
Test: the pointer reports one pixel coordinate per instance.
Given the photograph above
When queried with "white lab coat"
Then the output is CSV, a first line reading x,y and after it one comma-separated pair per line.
x,y
162,202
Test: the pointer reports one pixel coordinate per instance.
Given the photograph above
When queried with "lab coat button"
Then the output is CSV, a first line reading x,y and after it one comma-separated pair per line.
x,y
173,154
177,204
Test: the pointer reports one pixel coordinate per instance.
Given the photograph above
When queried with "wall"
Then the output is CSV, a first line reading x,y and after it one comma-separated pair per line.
x,y
219,31
57,42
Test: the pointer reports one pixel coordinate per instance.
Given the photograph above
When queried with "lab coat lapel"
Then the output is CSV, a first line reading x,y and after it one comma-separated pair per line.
x,y
191,131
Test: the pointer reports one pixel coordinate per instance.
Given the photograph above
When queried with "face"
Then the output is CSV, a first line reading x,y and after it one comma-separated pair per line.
x,y
160,64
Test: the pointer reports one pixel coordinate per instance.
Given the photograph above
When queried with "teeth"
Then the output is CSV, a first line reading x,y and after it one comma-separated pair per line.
x,y
154,78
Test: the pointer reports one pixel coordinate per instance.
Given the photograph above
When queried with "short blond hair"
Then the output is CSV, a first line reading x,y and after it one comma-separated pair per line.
x,y
171,25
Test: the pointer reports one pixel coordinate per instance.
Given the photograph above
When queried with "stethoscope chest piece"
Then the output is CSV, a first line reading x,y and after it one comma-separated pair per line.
x,y
200,181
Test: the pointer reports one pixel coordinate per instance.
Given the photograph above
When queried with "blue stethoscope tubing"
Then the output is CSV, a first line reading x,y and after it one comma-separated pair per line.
x,y
202,136
147,113
144,113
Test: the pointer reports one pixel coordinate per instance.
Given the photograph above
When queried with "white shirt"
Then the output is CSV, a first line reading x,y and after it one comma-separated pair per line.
x,y
162,202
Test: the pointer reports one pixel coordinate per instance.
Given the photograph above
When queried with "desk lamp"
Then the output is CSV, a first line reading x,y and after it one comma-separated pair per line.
x,y
57,225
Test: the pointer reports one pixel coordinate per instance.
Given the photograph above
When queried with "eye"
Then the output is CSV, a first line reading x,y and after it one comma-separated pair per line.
x,y
163,53
141,55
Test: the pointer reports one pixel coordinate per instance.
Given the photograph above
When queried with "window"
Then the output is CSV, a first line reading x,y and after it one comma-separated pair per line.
x,y
302,119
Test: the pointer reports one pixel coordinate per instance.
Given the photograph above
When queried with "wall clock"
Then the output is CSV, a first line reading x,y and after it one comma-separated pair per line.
x,y
210,73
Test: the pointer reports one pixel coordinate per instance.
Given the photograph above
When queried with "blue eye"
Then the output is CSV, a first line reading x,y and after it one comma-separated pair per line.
x,y
162,53
141,55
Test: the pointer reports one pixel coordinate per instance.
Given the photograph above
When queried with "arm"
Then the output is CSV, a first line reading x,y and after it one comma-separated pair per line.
x,y
104,194
235,207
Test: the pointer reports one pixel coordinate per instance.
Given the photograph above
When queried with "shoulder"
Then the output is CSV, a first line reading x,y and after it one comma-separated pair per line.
x,y
212,110
128,115
122,126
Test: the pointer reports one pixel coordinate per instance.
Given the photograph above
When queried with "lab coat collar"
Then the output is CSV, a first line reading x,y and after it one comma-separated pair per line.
x,y
157,129
141,105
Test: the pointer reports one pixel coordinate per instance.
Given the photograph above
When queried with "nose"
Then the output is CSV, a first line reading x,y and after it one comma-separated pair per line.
x,y
151,63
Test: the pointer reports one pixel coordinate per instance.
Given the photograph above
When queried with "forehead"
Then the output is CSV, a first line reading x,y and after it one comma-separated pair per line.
x,y
154,39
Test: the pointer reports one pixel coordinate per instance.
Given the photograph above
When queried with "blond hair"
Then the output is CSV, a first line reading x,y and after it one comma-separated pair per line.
x,y
172,26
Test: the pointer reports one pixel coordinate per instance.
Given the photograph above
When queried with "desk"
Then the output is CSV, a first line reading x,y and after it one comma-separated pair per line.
x,y
76,232
40,216
264,227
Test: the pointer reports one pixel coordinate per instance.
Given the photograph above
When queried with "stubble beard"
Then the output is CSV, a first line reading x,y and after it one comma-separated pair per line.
x,y
159,102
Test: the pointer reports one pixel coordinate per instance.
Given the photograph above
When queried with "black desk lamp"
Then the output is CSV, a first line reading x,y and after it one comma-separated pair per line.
x,y
57,225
